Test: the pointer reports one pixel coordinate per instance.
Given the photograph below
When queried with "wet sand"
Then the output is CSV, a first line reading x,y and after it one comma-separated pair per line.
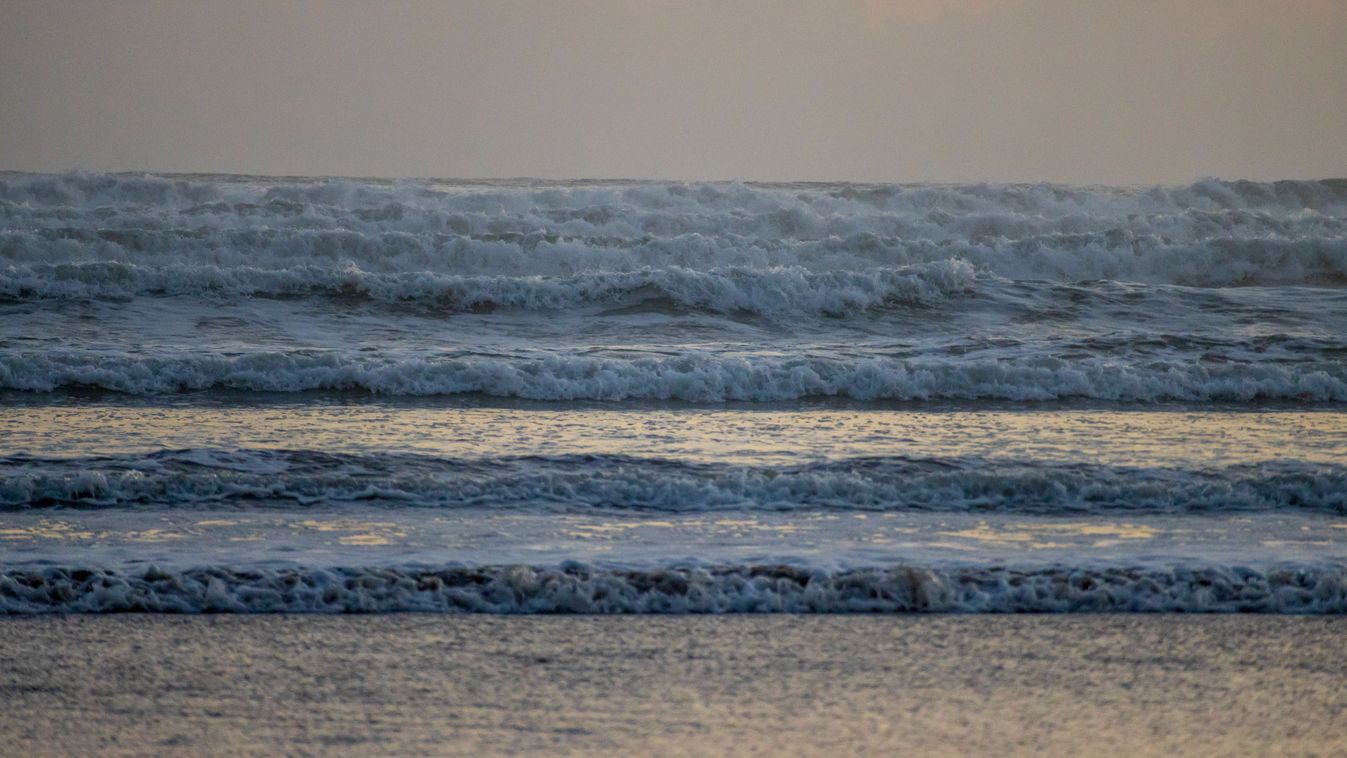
x,y
484,685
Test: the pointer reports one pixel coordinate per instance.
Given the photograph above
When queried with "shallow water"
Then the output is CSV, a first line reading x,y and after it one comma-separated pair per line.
x,y
472,685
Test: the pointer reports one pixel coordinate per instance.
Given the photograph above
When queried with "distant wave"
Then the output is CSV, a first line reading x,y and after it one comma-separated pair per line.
x,y
230,193
263,478
278,233
767,291
692,376
1221,261
726,589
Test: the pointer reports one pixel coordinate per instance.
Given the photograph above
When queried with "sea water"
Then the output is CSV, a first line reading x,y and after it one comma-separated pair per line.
x,y
250,393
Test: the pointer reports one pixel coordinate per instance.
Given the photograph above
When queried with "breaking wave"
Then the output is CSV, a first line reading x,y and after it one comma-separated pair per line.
x,y
1210,234
1314,257
692,376
570,483
766,291
576,588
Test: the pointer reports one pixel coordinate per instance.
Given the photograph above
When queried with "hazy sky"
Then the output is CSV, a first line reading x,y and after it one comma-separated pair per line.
x,y
1117,91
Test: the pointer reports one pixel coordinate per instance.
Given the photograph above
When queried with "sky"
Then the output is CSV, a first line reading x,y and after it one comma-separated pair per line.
x,y
1073,91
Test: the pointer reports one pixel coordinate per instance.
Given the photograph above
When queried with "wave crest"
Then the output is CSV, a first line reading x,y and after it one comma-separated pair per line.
x,y
764,291
693,376
1211,233
730,589
252,478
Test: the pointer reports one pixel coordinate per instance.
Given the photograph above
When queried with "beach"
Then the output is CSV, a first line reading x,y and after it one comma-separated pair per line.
x,y
876,377
306,465
405,684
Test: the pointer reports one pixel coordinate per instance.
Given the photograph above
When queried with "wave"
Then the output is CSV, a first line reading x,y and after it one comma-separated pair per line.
x,y
571,483
1210,234
764,291
1217,261
692,376
728,589
78,188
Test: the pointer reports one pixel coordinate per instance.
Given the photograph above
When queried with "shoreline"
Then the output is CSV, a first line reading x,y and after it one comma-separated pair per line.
x,y
413,684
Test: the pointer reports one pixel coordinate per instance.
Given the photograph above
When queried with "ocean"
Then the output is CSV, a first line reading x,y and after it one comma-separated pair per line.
x,y
265,394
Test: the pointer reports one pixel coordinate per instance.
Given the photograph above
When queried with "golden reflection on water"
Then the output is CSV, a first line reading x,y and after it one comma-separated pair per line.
x,y
347,531
1032,535
46,529
53,529
1111,437
361,533
437,536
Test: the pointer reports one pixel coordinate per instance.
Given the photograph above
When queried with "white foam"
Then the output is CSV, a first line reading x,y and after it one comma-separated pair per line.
x,y
768,291
732,589
692,376
1208,234
566,484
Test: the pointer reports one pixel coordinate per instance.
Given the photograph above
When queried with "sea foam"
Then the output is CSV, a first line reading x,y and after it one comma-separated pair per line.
x,y
692,376
586,483
576,588
1208,234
